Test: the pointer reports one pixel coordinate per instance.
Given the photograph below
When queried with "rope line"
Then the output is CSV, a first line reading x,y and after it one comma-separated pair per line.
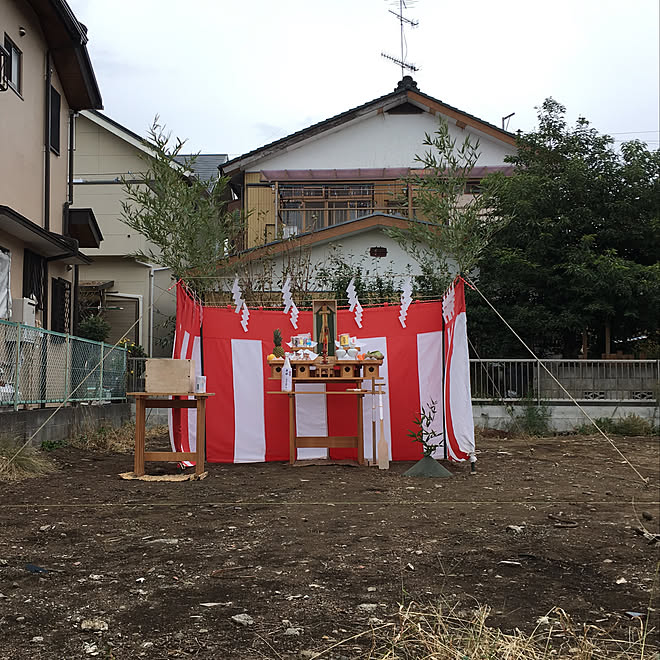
x,y
570,396
5,467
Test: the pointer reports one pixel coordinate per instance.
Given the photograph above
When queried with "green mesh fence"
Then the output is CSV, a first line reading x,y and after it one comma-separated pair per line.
x,y
39,366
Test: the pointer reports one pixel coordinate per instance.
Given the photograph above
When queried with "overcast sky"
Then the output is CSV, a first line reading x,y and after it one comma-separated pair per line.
x,y
231,75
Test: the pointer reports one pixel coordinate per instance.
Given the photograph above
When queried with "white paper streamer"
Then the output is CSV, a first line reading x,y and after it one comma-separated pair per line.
x,y
238,298
353,302
294,315
352,295
358,313
245,316
286,295
406,299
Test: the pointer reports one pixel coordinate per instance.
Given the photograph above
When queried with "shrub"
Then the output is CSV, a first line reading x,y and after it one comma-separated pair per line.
x,y
95,328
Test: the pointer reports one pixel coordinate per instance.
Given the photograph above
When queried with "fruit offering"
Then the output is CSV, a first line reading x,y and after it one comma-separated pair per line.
x,y
278,351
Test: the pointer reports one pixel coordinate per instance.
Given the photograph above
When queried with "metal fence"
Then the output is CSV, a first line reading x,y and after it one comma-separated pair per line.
x,y
512,380
40,366
585,380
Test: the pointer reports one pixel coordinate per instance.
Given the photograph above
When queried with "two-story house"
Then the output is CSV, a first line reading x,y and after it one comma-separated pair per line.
x,y
343,180
134,296
46,77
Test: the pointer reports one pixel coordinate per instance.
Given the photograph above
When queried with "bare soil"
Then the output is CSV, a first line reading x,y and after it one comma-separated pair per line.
x,y
167,565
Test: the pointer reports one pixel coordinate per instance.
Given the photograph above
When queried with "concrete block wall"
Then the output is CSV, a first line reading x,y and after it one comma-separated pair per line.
x,y
69,420
563,417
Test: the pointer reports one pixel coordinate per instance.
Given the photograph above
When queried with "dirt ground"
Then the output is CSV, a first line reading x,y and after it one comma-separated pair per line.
x,y
302,550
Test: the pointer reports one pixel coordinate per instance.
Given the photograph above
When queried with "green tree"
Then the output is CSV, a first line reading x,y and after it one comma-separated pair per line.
x,y
187,222
580,258
452,229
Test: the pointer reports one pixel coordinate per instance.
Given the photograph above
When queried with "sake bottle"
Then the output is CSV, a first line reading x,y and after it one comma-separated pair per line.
x,y
287,375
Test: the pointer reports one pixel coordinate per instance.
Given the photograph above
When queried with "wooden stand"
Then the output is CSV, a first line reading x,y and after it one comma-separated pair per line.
x,y
163,400
330,442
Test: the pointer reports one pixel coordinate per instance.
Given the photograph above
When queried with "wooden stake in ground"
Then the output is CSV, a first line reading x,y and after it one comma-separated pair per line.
x,y
383,453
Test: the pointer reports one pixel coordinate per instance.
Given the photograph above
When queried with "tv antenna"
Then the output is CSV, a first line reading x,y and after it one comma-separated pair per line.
x,y
403,20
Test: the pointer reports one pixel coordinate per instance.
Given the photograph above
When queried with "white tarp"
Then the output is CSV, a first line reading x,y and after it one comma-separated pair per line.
x,y
5,284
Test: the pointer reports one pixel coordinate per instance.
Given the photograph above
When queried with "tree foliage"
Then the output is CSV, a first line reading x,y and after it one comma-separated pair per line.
x,y
452,229
582,251
187,222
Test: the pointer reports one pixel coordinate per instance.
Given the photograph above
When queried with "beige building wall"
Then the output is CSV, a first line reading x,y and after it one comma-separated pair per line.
x,y
22,135
105,157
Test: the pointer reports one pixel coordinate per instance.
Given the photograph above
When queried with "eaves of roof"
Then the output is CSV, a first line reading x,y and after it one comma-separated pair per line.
x,y
325,235
406,90
66,38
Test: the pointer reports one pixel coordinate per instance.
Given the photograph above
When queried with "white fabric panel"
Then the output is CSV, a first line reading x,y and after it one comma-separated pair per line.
x,y
311,418
249,424
192,413
429,371
181,355
460,398
370,403
5,285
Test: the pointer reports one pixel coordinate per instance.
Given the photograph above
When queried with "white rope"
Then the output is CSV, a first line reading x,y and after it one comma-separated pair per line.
x,y
570,396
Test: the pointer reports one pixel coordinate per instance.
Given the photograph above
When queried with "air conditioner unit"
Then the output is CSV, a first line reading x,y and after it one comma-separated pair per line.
x,y
24,310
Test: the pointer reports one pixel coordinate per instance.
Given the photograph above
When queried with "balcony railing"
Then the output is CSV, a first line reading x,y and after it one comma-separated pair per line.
x,y
43,367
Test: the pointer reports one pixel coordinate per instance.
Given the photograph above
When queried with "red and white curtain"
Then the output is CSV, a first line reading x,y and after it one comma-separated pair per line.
x,y
247,422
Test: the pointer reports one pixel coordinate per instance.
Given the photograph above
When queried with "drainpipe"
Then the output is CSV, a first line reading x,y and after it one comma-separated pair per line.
x,y
47,137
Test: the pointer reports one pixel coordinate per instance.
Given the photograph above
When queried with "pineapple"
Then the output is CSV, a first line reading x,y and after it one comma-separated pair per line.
x,y
278,351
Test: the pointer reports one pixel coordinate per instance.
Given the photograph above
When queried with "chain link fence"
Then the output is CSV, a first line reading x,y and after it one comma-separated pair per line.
x,y
40,366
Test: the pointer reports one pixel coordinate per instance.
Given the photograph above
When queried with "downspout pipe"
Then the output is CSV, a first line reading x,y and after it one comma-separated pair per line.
x,y
47,140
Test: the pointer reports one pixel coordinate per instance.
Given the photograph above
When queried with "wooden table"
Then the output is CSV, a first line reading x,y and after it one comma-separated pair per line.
x,y
144,400
330,442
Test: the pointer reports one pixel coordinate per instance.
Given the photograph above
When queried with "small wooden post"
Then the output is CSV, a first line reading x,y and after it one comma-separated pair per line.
x,y
360,430
201,433
292,428
139,435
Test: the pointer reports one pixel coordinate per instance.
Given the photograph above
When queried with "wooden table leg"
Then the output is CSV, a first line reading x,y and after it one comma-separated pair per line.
x,y
139,435
201,434
292,428
360,430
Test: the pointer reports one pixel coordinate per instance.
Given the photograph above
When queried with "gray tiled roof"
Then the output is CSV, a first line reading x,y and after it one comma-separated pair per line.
x,y
205,165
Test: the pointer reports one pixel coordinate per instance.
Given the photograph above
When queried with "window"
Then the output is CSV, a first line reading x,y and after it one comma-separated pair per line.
x,y
13,65
308,207
61,305
34,271
55,103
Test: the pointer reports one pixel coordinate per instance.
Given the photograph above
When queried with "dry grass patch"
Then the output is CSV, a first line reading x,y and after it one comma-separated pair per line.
x,y
117,440
441,633
28,462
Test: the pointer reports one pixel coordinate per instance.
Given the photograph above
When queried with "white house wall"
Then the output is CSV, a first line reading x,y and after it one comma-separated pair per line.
x,y
382,140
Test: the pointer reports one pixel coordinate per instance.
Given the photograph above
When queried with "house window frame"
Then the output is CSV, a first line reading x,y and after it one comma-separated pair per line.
x,y
34,277
14,54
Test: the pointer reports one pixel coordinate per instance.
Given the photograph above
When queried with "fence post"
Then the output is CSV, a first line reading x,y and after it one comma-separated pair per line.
x,y
538,383
101,373
17,365
67,367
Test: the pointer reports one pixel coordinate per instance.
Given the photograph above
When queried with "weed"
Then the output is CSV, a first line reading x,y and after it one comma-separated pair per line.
x,y
530,419
117,440
630,425
27,463
51,445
